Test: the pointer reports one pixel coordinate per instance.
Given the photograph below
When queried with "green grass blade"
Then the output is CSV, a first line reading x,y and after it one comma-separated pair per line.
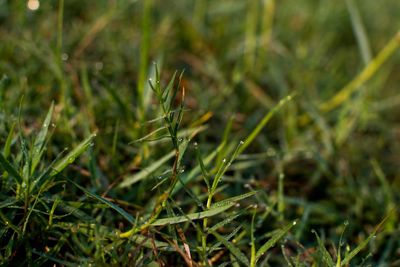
x,y
40,140
355,251
124,214
192,216
233,200
263,122
10,168
70,157
129,180
272,241
7,145
234,250
326,257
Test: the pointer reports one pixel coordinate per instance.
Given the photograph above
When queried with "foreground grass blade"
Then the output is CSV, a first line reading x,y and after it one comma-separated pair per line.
x,y
234,250
105,201
70,157
192,216
233,200
326,257
263,122
40,139
10,168
146,171
272,241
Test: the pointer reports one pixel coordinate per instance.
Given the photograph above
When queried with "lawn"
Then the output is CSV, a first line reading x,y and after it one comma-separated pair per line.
x,y
199,133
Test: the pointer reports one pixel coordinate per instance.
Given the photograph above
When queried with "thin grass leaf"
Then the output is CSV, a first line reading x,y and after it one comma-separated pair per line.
x,y
129,180
7,202
326,257
124,214
355,251
10,168
229,219
192,216
70,157
40,140
264,122
7,145
274,238
233,200
234,250
227,237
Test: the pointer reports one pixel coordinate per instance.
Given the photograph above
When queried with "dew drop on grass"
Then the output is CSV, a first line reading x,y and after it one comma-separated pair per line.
x,y
346,222
71,159
294,223
241,142
23,185
180,139
53,125
224,160
44,125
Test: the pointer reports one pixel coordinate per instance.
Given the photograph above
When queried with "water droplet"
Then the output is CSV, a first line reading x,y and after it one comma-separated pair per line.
x,y
346,222
374,236
53,125
195,144
237,205
180,139
157,81
99,65
95,134
241,142
224,160
294,222
64,57
255,206
23,185
71,159
159,177
246,185
183,170
44,125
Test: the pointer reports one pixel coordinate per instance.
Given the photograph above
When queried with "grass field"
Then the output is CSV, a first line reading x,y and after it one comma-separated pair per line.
x,y
199,133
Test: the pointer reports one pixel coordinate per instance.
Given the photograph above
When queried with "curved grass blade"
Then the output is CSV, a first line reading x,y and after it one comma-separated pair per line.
x,y
10,168
233,200
40,140
193,216
124,214
272,241
234,250
129,180
7,145
70,157
326,257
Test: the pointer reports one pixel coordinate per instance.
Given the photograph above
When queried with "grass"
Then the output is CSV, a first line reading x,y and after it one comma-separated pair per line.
x,y
199,133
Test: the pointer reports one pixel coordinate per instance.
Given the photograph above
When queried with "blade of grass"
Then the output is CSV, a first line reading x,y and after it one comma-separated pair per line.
x,y
124,214
326,257
232,248
129,180
192,216
272,241
70,157
10,168
40,140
